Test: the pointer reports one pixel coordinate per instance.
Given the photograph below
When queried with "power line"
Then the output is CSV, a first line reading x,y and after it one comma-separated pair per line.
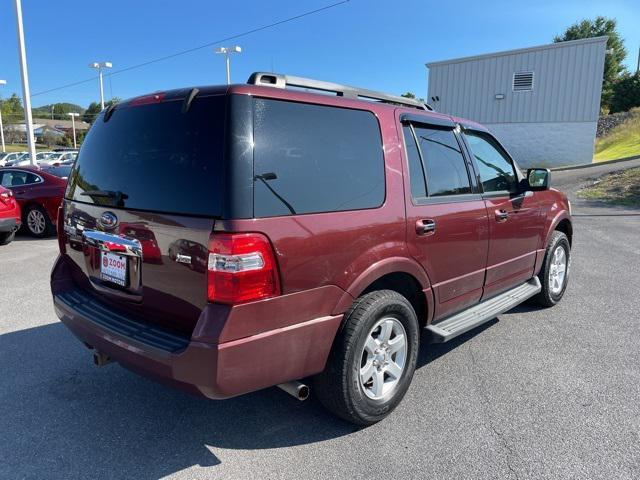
x,y
200,47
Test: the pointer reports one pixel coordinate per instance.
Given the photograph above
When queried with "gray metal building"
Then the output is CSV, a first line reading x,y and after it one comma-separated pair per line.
x,y
541,102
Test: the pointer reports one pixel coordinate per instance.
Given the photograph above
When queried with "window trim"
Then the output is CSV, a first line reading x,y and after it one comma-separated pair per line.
x,y
501,149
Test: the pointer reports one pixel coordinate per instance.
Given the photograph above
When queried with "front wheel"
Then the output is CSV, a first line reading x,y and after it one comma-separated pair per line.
x,y
373,359
554,273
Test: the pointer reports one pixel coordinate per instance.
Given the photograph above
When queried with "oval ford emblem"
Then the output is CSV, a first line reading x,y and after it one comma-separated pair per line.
x,y
108,220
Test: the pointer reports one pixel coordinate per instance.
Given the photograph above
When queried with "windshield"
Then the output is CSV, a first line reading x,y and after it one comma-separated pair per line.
x,y
154,157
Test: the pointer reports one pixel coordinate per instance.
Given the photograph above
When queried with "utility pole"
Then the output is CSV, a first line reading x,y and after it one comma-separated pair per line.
x,y
73,125
638,67
26,96
2,82
99,66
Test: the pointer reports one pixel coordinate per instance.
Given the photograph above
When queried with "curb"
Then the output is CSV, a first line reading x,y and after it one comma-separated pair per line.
x,y
598,164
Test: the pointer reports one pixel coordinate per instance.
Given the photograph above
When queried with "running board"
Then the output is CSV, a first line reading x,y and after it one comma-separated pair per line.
x,y
483,312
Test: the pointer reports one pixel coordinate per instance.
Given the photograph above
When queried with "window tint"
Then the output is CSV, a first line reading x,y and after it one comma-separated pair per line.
x,y
496,170
444,164
311,158
154,157
416,171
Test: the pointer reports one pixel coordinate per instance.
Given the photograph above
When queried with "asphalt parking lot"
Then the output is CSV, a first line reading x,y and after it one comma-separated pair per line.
x,y
536,393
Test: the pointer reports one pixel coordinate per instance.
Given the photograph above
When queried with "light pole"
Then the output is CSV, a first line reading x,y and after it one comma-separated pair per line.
x,y
99,66
2,82
227,51
26,96
73,126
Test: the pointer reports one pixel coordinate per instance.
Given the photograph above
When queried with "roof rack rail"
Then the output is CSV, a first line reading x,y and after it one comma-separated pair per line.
x,y
279,80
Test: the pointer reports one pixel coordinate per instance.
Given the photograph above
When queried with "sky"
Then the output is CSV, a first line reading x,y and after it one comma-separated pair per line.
x,y
376,44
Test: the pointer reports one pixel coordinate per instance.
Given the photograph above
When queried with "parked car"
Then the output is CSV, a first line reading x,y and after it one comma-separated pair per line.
x,y
9,158
336,229
10,219
61,171
60,158
39,194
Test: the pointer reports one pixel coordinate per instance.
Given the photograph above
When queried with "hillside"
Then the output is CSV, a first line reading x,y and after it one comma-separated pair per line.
x,y
60,110
622,141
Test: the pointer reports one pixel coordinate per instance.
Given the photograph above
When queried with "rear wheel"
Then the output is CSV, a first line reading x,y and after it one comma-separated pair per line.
x,y
37,221
554,274
6,238
373,359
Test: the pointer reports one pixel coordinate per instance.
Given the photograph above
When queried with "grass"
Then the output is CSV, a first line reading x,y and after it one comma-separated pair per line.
x,y
621,188
622,141
23,147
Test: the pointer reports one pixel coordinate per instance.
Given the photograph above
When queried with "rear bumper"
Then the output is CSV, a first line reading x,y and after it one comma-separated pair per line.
x,y
9,224
213,370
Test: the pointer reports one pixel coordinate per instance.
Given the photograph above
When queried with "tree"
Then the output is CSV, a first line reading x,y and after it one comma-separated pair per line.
x,y
613,65
412,96
93,110
60,110
12,108
626,93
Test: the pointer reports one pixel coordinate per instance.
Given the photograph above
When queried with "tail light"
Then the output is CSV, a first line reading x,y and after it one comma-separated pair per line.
x,y
242,267
62,236
6,197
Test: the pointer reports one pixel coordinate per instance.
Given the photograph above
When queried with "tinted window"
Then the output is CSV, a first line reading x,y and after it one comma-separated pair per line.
x,y
416,171
62,171
496,170
154,157
311,158
444,164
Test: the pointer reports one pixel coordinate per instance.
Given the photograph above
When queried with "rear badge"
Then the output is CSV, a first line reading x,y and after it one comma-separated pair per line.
x,y
108,220
183,258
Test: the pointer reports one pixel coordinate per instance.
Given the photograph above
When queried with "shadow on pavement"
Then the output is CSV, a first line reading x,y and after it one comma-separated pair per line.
x,y
60,411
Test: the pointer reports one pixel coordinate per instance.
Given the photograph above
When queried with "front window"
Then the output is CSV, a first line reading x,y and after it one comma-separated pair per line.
x,y
496,170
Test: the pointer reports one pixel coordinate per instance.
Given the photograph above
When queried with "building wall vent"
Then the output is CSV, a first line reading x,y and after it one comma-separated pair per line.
x,y
523,81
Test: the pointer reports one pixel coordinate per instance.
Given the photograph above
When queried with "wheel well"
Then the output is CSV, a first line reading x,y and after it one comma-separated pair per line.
x,y
407,286
565,227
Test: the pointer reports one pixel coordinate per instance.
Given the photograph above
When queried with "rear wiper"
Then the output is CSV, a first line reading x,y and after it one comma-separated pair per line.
x,y
118,196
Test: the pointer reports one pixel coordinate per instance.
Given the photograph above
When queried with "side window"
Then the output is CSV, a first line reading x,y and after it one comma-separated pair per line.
x,y
12,178
31,178
312,159
416,170
496,170
444,163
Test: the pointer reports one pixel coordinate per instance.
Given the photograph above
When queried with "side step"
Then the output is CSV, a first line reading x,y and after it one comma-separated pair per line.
x,y
483,312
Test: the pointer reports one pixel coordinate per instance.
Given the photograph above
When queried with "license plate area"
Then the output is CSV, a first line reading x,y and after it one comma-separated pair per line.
x,y
114,268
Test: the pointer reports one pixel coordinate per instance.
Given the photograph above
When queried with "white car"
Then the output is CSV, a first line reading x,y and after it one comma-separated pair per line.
x,y
8,159
59,158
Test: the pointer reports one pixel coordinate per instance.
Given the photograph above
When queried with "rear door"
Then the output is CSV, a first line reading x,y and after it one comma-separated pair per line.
x,y
147,182
447,229
515,222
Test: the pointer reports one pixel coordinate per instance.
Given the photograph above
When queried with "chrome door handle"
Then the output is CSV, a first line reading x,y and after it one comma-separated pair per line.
x,y
425,227
502,215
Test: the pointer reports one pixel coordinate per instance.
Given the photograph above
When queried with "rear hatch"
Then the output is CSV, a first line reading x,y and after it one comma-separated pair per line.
x,y
141,202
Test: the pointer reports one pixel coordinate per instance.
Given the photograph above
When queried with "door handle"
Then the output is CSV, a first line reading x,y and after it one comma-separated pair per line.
x,y
502,215
425,227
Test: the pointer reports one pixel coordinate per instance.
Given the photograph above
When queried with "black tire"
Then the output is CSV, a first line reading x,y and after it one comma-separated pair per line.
x,y
7,237
339,387
48,226
547,297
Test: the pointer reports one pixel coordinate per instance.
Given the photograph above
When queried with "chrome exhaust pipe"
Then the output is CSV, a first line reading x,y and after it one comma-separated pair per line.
x,y
101,359
296,389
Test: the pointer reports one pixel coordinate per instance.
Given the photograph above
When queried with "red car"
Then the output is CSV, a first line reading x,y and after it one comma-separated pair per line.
x,y
10,219
334,227
39,194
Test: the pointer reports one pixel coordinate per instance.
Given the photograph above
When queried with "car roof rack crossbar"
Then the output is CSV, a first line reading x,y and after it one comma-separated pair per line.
x,y
279,80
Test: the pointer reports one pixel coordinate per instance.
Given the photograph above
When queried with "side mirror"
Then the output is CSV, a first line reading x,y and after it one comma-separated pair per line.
x,y
538,179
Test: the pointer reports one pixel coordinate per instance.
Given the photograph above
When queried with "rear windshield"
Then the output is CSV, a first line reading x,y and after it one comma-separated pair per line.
x,y
154,157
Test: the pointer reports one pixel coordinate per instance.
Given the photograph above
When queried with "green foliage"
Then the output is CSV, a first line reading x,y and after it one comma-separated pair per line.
x,y
12,108
626,92
60,110
613,65
93,110
412,96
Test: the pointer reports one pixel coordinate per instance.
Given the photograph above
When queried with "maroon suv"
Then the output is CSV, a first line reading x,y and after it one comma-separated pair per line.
x,y
333,228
